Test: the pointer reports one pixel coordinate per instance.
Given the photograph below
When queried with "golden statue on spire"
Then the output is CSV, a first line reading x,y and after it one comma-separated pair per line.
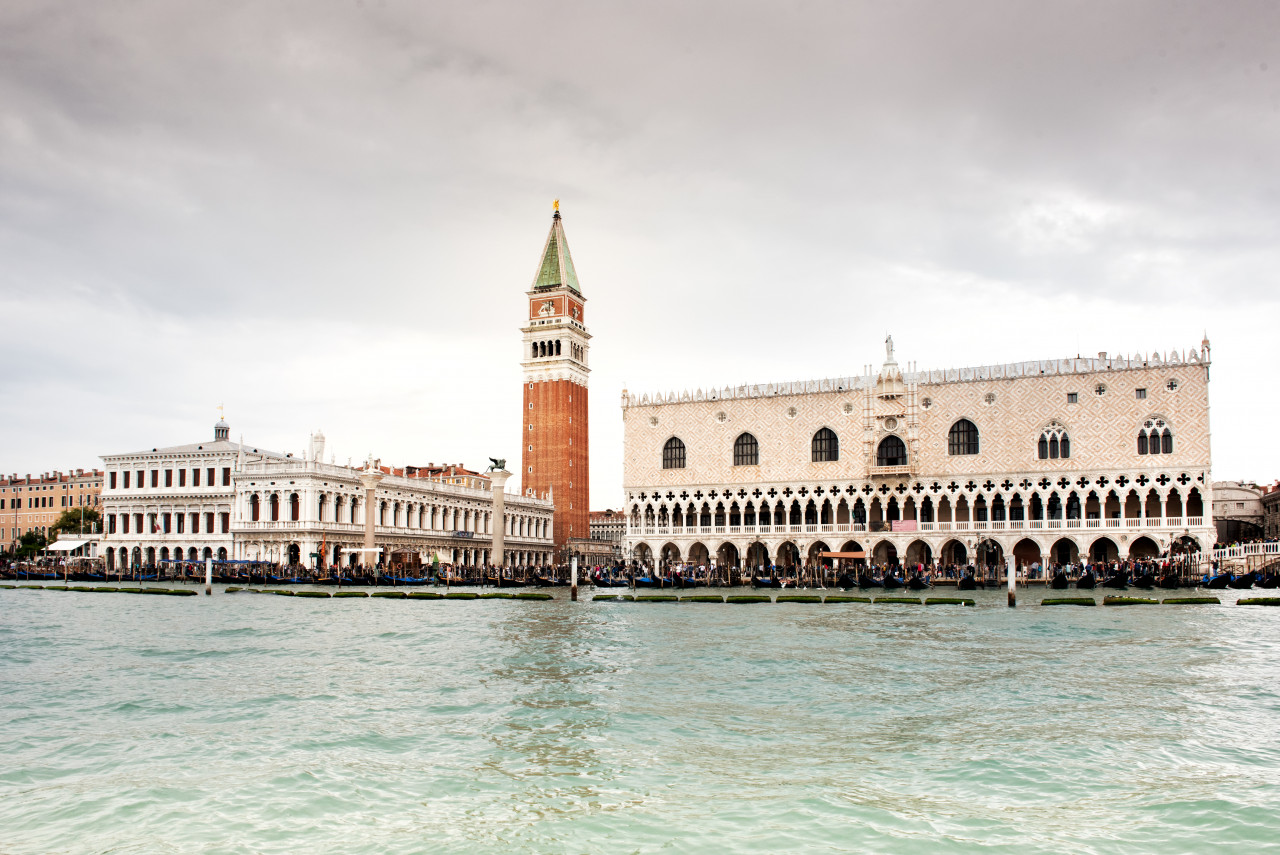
x,y
220,414
556,205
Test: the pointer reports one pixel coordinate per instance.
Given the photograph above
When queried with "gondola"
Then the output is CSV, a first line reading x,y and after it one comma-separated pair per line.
x,y
1118,580
846,581
918,583
544,582
1269,581
1169,581
866,581
1244,582
766,582
1087,581
892,582
968,582
1146,581
1219,582
1060,582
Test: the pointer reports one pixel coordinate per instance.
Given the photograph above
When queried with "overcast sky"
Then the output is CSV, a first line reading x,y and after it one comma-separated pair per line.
x,y
325,215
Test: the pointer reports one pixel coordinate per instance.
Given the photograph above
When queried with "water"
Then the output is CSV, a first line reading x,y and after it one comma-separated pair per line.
x,y
261,724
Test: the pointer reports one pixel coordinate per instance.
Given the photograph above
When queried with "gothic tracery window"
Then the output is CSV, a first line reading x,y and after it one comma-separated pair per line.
x,y
891,452
746,451
1054,443
1155,437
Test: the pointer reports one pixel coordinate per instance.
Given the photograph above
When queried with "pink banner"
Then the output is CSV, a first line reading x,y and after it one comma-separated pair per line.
x,y
904,525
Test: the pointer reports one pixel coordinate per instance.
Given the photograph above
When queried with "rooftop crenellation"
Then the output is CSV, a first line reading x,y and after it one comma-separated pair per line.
x,y
1102,363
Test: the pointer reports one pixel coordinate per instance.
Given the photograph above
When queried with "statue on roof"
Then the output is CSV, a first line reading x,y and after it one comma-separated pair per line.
x,y
888,349
497,464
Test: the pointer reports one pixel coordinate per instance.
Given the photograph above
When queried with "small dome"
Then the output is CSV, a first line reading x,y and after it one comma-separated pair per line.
x,y
222,423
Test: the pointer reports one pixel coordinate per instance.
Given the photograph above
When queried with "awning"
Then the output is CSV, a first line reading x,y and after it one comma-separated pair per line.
x,y
66,545
842,554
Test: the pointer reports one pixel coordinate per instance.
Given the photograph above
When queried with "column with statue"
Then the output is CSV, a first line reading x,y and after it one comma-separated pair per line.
x,y
498,476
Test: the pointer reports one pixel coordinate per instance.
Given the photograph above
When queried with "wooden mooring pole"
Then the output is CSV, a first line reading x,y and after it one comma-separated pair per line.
x,y
1009,572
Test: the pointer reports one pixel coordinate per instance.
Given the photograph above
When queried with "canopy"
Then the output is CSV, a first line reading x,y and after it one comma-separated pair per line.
x,y
370,549
66,545
842,554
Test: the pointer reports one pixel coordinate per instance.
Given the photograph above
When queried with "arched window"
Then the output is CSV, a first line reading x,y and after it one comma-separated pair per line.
x,y
1054,442
892,452
673,454
746,451
963,438
826,447
1155,437
557,347
535,350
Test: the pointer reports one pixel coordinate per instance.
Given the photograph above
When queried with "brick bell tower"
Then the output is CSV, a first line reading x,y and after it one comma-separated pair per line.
x,y
555,389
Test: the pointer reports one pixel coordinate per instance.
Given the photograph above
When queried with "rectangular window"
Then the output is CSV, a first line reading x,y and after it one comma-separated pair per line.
x,y
208,523
195,477
1,504
1073,398
182,477
180,519
155,477
226,522
167,522
112,480
1140,394
168,477
124,523
226,476
126,479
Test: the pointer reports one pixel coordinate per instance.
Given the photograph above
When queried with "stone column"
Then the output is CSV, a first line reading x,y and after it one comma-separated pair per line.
x,y
370,478
499,482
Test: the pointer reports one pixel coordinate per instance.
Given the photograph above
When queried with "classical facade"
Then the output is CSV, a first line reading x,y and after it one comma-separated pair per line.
x,y
1271,513
610,526
232,501
174,503
1055,460
35,503
556,344
288,510
1237,510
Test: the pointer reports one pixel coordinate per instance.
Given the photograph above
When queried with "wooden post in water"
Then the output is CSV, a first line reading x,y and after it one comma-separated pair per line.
x,y
1009,571
208,576
573,578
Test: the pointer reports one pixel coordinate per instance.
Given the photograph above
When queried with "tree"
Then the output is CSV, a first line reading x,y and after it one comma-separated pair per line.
x,y
70,520
31,543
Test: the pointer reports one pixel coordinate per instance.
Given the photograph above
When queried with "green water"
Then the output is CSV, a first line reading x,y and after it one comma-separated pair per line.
x,y
255,724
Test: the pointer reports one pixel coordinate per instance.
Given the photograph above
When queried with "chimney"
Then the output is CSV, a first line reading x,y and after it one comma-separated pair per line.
x,y
1102,354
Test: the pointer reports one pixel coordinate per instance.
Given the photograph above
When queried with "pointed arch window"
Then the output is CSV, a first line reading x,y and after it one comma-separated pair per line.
x,y
826,446
1155,437
963,438
746,451
1054,443
891,452
673,454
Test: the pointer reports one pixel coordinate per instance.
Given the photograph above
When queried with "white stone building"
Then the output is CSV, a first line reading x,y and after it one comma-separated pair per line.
x,y
1058,459
231,501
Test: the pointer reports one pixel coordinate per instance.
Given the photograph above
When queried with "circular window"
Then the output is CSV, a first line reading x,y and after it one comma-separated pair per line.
x,y
990,397
791,412
890,423
653,420
1100,389
927,403
721,417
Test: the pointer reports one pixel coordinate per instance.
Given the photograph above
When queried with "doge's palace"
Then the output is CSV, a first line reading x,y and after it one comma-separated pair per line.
x,y
1057,460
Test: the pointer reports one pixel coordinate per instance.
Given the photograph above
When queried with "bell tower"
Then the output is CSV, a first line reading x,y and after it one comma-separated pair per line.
x,y
555,434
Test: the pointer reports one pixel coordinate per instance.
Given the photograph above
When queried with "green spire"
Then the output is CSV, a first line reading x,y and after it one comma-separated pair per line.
x,y
557,265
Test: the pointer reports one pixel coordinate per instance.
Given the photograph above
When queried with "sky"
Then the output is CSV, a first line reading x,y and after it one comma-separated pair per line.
x,y
324,215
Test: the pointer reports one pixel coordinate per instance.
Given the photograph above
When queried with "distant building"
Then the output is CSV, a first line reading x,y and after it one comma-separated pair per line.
x,y
35,503
1237,510
233,501
1271,513
609,526
1058,460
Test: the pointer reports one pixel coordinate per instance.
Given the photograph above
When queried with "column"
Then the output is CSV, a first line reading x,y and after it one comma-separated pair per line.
x,y
498,480
370,478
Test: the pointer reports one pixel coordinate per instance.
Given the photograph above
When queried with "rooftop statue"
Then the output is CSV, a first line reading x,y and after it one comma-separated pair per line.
x,y
888,349
497,464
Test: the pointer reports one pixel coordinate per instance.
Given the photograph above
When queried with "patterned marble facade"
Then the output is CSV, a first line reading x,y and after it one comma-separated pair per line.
x,y
1103,457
